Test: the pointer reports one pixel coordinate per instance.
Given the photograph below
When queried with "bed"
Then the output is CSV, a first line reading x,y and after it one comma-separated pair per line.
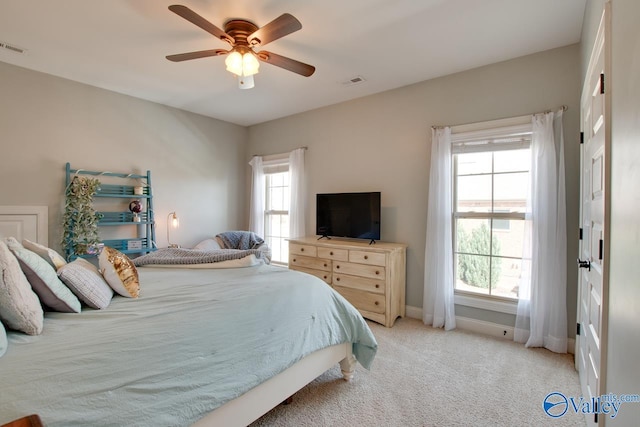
x,y
200,346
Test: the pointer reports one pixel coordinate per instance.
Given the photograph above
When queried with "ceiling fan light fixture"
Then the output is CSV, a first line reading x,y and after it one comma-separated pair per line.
x,y
250,64
234,63
246,82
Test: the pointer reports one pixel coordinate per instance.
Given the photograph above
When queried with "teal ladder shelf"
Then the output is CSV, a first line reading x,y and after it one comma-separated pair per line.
x,y
145,234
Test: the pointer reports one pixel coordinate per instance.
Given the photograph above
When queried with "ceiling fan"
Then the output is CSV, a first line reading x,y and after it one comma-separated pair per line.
x,y
244,36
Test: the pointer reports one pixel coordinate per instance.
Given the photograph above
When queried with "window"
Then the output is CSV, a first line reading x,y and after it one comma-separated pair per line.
x,y
491,181
276,215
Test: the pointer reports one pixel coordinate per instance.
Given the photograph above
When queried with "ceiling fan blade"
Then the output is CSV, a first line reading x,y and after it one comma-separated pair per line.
x,y
195,55
198,20
279,27
286,63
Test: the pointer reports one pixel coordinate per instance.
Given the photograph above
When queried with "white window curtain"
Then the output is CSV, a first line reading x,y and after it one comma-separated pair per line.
x,y
541,319
297,201
256,214
438,303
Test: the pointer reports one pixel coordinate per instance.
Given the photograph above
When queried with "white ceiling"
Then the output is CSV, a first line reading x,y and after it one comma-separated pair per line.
x,y
120,45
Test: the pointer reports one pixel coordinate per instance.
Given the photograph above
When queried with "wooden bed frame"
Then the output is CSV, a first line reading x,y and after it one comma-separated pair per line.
x,y
31,222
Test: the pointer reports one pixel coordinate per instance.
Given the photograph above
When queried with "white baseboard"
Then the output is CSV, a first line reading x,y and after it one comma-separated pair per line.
x,y
482,327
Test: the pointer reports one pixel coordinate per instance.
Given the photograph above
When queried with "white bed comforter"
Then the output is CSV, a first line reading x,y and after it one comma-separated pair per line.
x,y
194,340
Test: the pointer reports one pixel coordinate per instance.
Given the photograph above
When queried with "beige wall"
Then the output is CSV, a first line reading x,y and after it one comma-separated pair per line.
x,y
623,346
197,163
382,143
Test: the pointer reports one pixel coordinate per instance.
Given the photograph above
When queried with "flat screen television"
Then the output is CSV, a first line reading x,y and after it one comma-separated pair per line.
x,y
354,215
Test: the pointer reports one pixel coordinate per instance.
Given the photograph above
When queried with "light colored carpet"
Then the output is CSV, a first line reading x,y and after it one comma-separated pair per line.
x,y
428,377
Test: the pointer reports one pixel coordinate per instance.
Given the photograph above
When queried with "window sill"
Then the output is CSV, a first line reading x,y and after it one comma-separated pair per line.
x,y
509,307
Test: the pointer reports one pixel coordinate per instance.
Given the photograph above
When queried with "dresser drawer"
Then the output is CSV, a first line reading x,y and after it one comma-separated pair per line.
x,y
371,271
297,248
326,276
360,283
363,300
307,262
336,254
365,257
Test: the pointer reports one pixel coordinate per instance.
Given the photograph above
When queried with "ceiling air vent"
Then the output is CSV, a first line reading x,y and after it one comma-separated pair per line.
x,y
12,48
354,81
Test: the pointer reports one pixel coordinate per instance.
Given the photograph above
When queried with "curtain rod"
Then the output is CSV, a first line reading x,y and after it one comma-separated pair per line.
x,y
563,107
278,154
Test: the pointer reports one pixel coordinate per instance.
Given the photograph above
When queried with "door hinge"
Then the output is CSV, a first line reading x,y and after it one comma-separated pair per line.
x,y
581,137
602,83
577,328
580,233
600,249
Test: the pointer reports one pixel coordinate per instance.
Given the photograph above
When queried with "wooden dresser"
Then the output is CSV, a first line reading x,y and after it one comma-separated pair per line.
x,y
371,277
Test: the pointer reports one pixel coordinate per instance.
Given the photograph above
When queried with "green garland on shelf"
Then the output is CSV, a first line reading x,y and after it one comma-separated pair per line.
x,y
80,222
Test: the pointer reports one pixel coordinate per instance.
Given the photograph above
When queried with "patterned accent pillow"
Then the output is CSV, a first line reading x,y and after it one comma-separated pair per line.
x,y
20,308
44,280
52,257
119,272
3,340
84,280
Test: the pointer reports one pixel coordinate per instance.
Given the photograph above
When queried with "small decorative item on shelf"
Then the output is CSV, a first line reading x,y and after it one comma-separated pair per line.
x,y
80,219
135,207
138,190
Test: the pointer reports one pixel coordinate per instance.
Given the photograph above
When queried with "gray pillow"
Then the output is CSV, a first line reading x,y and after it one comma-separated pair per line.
x,y
20,308
44,280
3,340
84,280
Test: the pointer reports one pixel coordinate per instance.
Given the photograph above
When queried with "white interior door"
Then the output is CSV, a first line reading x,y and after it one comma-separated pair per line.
x,y
593,285
25,222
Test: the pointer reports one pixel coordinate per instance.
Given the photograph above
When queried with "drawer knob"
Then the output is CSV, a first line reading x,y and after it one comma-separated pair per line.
x,y
301,249
366,257
331,253
377,303
337,266
294,260
337,279
325,277
377,286
377,272
325,264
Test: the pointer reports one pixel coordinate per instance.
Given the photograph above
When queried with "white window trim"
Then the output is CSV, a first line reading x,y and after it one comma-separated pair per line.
x,y
487,130
486,303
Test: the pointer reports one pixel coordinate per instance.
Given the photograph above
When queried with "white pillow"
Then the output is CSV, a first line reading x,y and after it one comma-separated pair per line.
x,y
44,280
3,340
20,308
52,257
208,245
119,272
84,280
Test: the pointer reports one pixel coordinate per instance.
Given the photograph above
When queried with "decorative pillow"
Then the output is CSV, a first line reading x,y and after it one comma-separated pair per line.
x,y
208,245
52,257
20,308
119,272
84,280
44,280
3,340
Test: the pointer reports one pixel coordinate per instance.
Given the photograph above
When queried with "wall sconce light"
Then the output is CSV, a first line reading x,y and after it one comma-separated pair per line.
x,y
172,222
